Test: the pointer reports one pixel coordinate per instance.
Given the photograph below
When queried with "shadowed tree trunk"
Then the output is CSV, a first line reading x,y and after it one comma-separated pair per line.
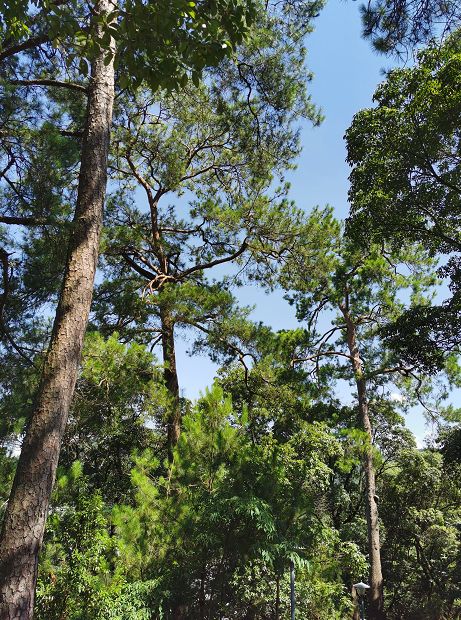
x,y
375,593
171,379
277,598
355,599
26,514
202,600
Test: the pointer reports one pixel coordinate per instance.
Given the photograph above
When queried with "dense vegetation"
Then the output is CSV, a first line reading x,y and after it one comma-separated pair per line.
x,y
128,501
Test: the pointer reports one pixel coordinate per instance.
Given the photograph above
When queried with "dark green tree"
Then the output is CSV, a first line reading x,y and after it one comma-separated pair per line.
x,y
77,573
219,530
420,508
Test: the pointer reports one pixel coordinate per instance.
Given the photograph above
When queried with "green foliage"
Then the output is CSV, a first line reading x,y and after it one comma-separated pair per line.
x,y
118,400
227,506
405,186
164,49
397,26
404,182
76,574
420,508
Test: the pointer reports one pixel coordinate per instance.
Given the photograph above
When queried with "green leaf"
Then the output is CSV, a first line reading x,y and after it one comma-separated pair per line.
x,y
83,67
124,81
70,59
195,79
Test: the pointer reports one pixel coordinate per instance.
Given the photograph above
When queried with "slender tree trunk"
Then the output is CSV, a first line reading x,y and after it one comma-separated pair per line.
x,y
277,597
375,593
171,379
26,514
202,592
356,614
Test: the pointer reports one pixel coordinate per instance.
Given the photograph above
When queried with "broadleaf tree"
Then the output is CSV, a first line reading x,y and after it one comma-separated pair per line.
x,y
405,186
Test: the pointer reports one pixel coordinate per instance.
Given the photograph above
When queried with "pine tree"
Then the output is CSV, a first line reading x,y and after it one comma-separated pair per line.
x,y
223,142
362,290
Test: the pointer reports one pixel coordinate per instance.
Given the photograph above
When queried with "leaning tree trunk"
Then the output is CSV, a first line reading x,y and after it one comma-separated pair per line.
x,y
375,593
26,514
171,379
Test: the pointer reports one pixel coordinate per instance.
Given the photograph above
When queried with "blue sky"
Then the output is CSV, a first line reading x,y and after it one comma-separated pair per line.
x,y
346,73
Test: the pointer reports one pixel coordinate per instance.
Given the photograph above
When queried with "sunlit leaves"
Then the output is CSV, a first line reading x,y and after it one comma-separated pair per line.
x,y
153,45
406,183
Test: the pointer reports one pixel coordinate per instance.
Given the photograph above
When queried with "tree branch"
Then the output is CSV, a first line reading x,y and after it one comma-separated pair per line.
x,y
58,83
219,261
318,355
24,221
25,45
137,268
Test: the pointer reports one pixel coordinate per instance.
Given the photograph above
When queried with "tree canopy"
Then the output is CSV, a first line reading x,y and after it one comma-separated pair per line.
x,y
405,186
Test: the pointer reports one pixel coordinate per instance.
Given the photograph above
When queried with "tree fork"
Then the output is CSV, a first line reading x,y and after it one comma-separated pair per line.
x,y
25,518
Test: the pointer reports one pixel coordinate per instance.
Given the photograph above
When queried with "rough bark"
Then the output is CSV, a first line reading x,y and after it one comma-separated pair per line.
x,y
171,379
25,517
375,593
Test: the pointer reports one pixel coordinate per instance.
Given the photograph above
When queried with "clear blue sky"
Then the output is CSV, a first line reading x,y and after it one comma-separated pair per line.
x,y
346,74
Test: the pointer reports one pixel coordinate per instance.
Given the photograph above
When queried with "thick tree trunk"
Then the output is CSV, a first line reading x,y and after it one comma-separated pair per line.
x,y
375,593
171,379
25,517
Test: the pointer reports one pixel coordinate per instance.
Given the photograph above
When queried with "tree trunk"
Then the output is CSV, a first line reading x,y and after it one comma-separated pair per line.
x,y
26,514
375,593
356,615
171,379
277,598
202,601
